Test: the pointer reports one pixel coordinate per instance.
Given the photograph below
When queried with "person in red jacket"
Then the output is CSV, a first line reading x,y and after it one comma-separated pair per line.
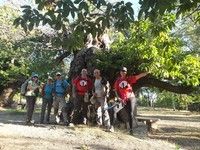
x,y
124,92
82,85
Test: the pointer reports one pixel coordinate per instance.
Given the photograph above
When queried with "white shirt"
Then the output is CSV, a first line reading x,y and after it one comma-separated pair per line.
x,y
99,88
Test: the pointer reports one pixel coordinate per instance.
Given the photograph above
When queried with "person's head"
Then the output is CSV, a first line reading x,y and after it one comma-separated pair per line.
x,y
35,77
97,73
49,80
58,76
123,71
84,72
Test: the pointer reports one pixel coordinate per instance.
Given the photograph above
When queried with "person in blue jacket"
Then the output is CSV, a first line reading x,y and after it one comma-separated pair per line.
x,y
59,92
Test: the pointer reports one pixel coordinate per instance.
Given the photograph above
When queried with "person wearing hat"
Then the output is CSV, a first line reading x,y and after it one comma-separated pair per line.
x,y
124,92
31,94
59,92
47,99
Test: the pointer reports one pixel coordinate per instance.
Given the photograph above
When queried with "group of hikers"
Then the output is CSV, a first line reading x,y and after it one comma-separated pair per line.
x,y
86,92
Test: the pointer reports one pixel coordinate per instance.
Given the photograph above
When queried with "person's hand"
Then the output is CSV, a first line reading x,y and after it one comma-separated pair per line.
x,y
74,95
95,94
118,100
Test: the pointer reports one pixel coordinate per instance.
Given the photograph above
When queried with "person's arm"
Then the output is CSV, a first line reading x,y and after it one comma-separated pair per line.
x,y
74,91
108,89
115,91
137,77
42,90
29,86
54,88
66,87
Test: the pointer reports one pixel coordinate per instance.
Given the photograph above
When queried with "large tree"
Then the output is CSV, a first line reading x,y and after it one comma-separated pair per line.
x,y
147,46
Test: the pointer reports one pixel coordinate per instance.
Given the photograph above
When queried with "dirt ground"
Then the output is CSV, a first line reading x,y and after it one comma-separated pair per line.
x,y
175,130
179,127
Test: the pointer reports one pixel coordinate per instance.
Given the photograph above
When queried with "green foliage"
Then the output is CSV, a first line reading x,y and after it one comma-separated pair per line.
x,y
165,99
11,64
143,48
171,100
189,31
154,8
21,54
80,17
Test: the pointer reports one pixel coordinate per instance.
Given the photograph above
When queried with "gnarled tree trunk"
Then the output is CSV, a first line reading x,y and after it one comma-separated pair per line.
x,y
6,96
8,92
83,59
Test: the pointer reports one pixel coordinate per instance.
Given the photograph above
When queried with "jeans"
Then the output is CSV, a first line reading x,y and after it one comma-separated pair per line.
x,y
46,104
103,117
130,109
59,102
80,109
126,114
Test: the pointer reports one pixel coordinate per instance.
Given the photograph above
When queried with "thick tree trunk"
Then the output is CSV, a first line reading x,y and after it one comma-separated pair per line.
x,y
6,97
86,58
7,93
83,59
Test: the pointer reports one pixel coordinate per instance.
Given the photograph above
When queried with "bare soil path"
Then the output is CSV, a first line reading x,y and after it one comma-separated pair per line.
x,y
173,132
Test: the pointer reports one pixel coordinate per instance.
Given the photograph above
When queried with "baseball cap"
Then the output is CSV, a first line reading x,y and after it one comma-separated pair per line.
x,y
123,69
58,74
35,75
50,78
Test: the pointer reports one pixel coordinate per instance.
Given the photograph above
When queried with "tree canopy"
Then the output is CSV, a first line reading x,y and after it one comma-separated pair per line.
x,y
144,45
159,53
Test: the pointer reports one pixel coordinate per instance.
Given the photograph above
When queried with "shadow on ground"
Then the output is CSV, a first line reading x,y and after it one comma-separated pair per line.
x,y
182,131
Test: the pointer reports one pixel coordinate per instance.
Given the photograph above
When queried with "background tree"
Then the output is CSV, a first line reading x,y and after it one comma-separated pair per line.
x,y
152,9
21,54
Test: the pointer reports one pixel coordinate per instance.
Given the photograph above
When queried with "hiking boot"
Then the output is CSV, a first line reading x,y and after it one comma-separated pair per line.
x,y
57,119
47,122
131,131
29,123
71,125
66,123
41,122
111,129
84,121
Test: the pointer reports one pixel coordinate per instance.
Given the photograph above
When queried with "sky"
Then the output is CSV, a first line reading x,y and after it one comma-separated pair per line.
x,y
134,2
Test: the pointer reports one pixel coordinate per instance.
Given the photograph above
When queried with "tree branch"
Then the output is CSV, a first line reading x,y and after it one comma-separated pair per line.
x,y
150,81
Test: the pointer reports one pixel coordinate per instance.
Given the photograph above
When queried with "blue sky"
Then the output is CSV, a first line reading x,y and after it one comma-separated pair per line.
x,y
136,6
135,2
2,1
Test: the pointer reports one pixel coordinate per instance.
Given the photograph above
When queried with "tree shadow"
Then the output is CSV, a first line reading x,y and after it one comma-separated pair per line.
x,y
94,147
175,118
16,117
188,138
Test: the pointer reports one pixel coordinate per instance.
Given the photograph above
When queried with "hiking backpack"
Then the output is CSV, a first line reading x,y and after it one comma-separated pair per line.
x,y
24,87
